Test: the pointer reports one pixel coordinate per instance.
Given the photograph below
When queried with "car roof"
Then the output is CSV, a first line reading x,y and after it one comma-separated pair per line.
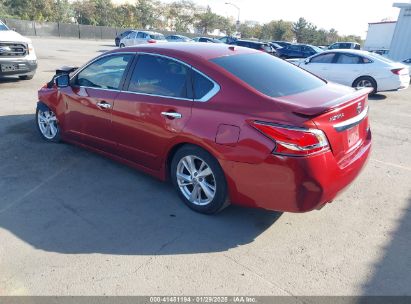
x,y
189,50
351,51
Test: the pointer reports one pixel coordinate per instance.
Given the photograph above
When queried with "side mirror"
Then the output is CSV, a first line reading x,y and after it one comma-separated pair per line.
x,y
307,61
62,80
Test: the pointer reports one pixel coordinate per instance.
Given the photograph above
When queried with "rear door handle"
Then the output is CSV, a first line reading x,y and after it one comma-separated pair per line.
x,y
104,105
171,115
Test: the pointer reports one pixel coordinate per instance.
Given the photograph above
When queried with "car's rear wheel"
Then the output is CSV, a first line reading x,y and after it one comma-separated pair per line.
x,y
199,180
366,82
122,45
47,124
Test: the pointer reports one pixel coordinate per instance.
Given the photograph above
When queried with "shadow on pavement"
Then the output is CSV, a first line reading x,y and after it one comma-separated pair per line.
x,y
377,97
61,198
392,274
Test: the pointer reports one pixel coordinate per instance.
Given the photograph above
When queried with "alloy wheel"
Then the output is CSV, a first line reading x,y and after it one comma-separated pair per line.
x,y
47,122
196,180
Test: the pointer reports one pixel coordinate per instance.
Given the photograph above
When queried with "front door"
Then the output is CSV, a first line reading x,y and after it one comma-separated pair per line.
x,y
153,109
90,98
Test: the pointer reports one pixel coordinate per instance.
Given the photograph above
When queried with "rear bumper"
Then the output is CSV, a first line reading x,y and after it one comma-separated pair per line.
x,y
393,83
293,184
25,67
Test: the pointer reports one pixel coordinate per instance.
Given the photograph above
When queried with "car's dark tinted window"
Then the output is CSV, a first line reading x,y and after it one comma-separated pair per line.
x,y
294,48
269,75
357,47
323,58
201,85
105,73
159,76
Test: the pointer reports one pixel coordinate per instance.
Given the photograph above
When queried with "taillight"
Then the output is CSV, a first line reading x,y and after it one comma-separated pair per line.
x,y
294,141
397,71
151,41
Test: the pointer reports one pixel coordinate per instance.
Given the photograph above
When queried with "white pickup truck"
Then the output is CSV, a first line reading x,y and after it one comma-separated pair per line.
x,y
17,56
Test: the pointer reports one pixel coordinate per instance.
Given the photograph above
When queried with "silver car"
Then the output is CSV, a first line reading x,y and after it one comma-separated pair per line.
x,y
142,37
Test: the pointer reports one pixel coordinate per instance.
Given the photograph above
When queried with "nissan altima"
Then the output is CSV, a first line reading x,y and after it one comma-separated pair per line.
x,y
224,124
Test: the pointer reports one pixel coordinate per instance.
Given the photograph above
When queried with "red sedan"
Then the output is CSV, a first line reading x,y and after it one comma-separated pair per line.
x,y
225,124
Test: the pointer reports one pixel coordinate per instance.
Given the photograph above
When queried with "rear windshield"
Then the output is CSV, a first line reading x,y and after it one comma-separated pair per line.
x,y
269,75
157,36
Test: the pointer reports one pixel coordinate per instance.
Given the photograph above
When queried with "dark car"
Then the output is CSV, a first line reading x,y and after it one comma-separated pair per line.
x,y
257,45
228,39
282,43
206,39
298,51
121,36
223,126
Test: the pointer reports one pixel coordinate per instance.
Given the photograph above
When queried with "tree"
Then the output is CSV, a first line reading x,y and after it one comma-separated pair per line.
x,y
207,21
299,29
63,11
181,15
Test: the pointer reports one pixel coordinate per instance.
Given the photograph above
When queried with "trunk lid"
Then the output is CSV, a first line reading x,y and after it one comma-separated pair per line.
x,y
341,113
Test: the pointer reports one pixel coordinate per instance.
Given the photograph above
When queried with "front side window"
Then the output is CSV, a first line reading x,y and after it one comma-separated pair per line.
x,y
323,58
159,76
132,35
345,58
295,48
104,73
269,75
159,37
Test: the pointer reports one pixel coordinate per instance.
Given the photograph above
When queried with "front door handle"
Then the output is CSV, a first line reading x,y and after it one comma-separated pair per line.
x,y
104,105
171,115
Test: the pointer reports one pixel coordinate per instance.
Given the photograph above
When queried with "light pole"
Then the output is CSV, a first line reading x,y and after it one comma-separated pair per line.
x,y
237,25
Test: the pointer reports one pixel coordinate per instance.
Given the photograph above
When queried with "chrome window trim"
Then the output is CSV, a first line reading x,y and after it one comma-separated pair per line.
x,y
216,87
349,123
205,98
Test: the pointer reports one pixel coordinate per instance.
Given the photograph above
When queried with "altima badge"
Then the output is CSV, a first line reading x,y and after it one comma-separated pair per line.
x,y
336,117
359,108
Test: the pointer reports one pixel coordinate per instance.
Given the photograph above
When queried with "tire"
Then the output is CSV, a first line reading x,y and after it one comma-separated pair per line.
x,y
47,120
122,45
206,193
366,81
26,77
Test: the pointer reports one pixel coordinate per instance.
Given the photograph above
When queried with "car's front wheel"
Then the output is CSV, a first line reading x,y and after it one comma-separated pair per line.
x,y
122,45
47,124
199,180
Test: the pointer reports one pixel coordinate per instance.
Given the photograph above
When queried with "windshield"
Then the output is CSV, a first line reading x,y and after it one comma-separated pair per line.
x,y
269,75
157,36
3,27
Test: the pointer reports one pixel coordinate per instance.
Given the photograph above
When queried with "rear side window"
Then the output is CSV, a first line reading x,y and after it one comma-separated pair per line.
x,y
159,37
269,75
349,59
357,46
159,76
201,85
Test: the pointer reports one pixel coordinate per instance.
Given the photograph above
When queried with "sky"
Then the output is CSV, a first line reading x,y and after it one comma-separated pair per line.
x,y
346,16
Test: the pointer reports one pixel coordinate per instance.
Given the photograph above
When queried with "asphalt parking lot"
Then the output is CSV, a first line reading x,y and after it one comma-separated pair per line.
x,y
75,223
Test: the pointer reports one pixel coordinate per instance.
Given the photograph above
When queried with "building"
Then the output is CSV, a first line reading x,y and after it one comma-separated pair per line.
x,y
400,48
379,35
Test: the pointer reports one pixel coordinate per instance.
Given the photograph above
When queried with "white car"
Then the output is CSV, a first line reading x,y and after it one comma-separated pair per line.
x,y
408,62
356,68
17,55
141,37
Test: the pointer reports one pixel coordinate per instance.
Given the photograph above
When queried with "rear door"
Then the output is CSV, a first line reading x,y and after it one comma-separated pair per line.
x,y
347,67
153,109
90,99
